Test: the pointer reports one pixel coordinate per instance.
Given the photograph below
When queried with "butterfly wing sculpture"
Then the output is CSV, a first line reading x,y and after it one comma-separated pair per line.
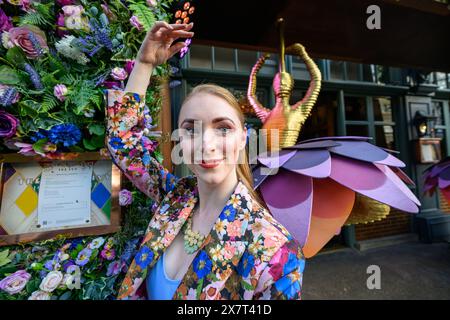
x,y
311,187
438,176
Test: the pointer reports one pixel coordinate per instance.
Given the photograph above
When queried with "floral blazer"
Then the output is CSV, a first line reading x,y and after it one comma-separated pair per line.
x,y
247,254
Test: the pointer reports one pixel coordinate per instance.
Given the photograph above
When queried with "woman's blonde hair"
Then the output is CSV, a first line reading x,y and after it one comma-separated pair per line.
x,y
243,168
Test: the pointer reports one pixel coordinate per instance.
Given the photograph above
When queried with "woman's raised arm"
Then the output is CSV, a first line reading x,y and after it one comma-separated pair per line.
x,y
126,134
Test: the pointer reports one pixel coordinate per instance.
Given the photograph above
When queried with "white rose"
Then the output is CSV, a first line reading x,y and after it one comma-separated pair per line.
x,y
51,281
39,295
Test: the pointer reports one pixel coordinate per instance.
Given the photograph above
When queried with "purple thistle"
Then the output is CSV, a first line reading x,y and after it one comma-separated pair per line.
x,y
34,76
101,34
100,38
35,43
100,79
95,50
8,97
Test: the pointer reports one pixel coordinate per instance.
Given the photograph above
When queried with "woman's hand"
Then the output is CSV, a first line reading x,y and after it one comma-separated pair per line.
x,y
157,46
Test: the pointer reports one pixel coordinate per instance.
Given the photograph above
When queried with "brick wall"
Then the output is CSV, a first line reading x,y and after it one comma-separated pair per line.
x,y
397,222
444,205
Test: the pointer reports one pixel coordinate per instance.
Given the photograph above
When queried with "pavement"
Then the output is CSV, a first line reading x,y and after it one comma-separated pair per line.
x,y
411,270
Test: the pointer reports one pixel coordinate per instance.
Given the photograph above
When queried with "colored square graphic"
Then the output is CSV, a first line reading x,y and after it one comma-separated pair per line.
x,y
100,195
107,208
27,201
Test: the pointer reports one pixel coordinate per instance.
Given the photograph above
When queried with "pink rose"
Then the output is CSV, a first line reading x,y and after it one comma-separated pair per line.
x,y
20,37
15,282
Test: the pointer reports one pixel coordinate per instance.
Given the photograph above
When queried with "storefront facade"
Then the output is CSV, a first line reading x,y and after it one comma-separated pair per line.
x,y
356,99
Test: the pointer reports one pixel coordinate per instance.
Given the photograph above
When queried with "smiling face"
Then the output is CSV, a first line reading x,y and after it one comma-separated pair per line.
x,y
212,136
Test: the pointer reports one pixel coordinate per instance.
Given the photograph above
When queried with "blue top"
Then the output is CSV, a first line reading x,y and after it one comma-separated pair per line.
x,y
159,285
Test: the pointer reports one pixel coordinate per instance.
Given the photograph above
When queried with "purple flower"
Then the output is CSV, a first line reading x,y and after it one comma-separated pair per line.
x,y
8,124
111,16
119,74
114,268
5,21
34,77
60,26
152,3
125,197
129,250
15,282
60,91
26,149
136,23
83,257
64,2
185,49
67,264
112,84
20,36
129,65
8,95
108,254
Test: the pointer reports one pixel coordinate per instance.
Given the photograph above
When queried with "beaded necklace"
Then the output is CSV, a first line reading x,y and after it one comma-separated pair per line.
x,y
192,239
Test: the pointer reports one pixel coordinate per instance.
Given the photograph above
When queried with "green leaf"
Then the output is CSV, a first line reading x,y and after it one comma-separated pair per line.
x,y
98,141
88,145
247,286
4,258
28,108
15,55
8,75
76,149
38,146
97,129
144,14
158,156
66,296
199,288
32,285
49,102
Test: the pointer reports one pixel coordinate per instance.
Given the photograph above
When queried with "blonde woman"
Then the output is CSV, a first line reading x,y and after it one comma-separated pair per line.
x,y
211,237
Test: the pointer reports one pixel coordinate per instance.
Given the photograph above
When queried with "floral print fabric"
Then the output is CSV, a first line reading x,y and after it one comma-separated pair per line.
x,y
247,254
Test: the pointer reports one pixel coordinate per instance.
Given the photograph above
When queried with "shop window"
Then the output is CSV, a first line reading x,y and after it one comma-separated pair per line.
x,y
358,130
224,59
385,136
200,57
246,60
382,109
355,108
337,70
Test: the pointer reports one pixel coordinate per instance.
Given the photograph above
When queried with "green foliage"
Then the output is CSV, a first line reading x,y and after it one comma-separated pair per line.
x,y
144,14
8,75
41,17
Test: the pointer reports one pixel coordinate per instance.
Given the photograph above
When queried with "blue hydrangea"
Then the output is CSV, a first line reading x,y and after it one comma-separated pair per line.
x,y
66,134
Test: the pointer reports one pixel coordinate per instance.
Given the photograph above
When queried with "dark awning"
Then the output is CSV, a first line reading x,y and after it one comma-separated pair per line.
x,y
414,33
